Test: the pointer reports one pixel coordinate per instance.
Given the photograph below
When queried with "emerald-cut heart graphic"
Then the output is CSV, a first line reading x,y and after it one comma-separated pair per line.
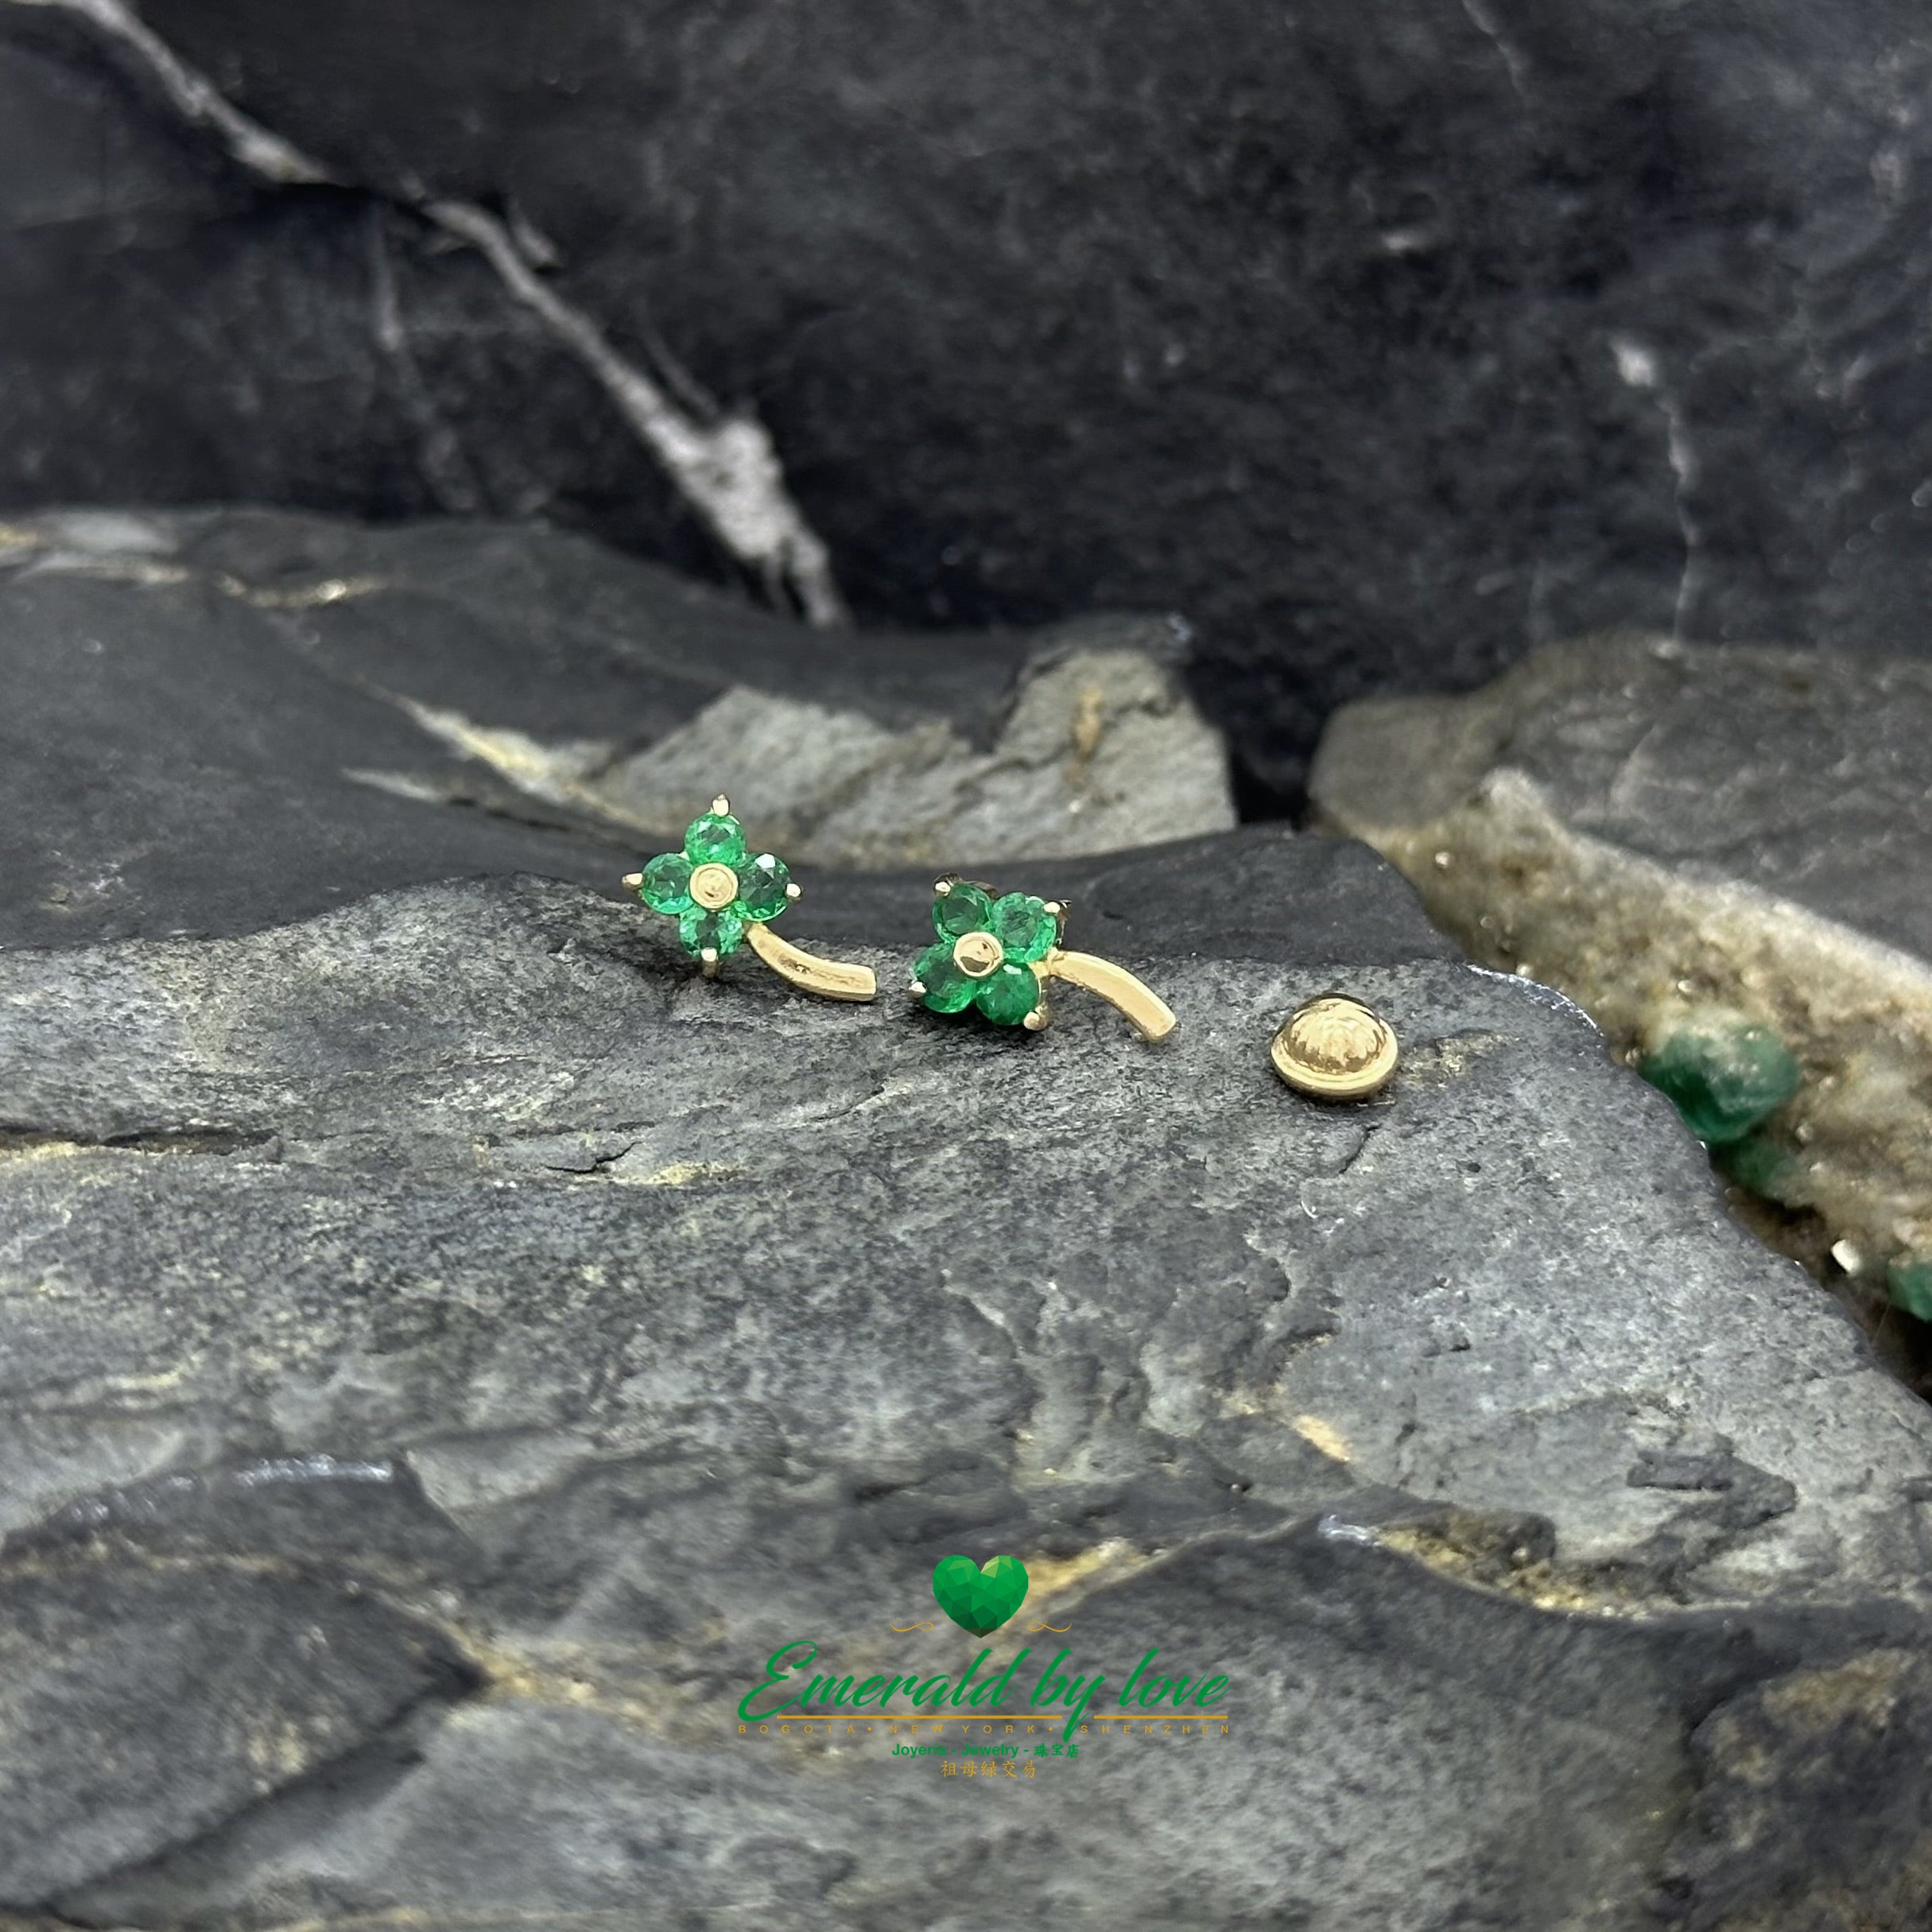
x,y
980,1597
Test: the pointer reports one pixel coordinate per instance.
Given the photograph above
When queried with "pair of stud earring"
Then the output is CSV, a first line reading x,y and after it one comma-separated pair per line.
x,y
995,955
998,954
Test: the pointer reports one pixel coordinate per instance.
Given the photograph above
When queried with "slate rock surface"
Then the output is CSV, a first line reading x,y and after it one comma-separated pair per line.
x,y
1682,838
1379,341
597,1331
223,719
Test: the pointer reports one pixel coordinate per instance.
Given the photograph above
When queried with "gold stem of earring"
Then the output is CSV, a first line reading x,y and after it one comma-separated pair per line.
x,y
827,977
1116,985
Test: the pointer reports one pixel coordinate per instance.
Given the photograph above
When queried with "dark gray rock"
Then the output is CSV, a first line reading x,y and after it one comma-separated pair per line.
x,y
1562,1547
1381,342
1689,841
148,1694
224,718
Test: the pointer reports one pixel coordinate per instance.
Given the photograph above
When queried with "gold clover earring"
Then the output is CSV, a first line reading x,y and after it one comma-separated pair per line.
x,y
1333,1048
722,895
998,954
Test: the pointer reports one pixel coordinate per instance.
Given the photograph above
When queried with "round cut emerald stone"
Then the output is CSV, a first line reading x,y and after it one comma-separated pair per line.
x,y
965,908
1024,928
716,838
666,886
761,887
1008,994
1724,1078
722,932
948,990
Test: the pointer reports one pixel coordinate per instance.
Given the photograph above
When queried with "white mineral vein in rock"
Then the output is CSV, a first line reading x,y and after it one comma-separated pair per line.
x,y
727,470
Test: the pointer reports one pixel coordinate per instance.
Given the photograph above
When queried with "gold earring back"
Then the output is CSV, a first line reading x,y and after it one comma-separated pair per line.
x,y
1333,1048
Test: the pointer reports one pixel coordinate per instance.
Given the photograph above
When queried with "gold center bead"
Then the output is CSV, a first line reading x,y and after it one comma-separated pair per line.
x,y
978,954
1335,1048
714,887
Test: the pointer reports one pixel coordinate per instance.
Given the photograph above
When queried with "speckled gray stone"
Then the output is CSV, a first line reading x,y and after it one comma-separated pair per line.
x,y
1562,1547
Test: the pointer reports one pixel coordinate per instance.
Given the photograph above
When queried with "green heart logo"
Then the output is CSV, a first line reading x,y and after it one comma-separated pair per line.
x,y
980,1597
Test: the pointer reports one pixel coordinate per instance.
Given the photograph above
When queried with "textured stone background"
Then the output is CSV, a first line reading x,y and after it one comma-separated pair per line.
x,y
221,719
446,1346
1378,342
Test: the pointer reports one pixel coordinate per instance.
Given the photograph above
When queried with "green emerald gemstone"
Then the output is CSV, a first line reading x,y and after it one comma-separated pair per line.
x,y
1760,1162
666,886
761,887
1024,927
724,932
1008,994
716,838
948,990
1910,1283
1723,1079
965,908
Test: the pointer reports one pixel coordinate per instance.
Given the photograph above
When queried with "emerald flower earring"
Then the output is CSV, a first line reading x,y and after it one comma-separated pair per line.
x,y
722,896
998,954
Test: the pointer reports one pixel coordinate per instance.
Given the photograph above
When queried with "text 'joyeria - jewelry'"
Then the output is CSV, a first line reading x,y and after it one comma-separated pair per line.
x,y
723,896
1335,1048
998,954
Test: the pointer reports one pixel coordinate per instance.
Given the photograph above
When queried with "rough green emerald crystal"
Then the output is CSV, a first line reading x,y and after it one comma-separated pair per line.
x,y
1761,1163
722,932
1024,927
948,990
715,837
761,887
1724,1077
1910,1283
965,908
667,884
1008,994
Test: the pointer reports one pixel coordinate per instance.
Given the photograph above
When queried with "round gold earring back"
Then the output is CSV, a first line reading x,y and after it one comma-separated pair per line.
x,y
1335,1048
